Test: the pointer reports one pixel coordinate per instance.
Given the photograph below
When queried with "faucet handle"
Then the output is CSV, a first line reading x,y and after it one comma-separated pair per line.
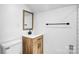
x,y
71,48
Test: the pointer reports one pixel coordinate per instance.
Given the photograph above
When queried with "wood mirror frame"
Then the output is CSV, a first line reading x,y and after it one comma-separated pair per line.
x,y
25,11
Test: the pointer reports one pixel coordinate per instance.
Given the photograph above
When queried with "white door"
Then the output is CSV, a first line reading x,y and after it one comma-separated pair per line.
x,y
59,38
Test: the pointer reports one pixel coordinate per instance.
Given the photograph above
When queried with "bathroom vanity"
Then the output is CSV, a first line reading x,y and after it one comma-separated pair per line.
x,y
32,44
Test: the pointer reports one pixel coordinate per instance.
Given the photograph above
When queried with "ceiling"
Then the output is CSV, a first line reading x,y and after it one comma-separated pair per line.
x,y
45,7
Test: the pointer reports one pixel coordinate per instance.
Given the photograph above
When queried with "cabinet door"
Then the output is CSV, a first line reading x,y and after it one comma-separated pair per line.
x,y
38,45
27,45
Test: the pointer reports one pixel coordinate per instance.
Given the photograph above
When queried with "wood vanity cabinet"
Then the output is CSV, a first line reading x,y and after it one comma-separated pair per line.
x,y
32,45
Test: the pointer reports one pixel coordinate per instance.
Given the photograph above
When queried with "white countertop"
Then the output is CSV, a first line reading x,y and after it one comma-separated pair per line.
x,y
32,36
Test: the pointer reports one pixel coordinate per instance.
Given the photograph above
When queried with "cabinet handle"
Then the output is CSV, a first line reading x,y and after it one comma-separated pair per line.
x,y
7,48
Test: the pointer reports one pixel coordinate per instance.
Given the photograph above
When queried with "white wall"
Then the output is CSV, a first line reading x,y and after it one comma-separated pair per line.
x,y
57,38
11,19
78,28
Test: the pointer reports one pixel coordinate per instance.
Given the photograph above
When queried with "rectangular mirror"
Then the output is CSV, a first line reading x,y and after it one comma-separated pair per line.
x,y
27,20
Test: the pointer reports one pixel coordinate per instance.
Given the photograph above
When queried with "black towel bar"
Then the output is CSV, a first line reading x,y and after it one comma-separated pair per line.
x,y
57,23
